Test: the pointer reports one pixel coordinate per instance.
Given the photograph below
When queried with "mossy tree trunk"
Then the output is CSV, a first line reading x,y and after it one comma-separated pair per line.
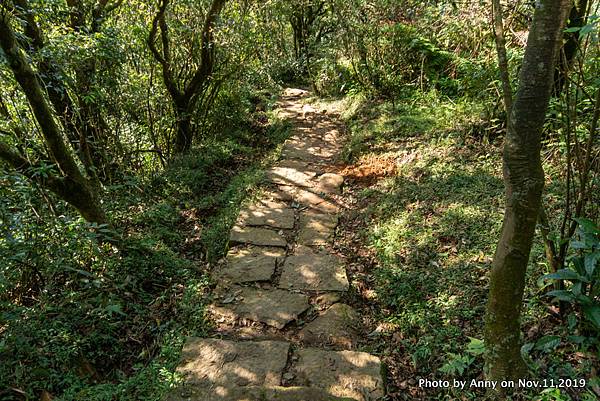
x,y
524,182
184,96
68,183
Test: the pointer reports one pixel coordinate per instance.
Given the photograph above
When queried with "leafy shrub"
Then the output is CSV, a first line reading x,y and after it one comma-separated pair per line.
x,y
584,275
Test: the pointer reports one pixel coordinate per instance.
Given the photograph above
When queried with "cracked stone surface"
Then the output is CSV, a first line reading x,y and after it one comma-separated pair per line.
x,y
312,271
252,393
266,213
256,236
210,361
337,325
316,201
343,373
316,228
274,307
251,264
292,172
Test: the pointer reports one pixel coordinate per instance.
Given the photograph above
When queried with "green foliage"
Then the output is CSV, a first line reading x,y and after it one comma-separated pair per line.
x,y
584,275
95,321
433,223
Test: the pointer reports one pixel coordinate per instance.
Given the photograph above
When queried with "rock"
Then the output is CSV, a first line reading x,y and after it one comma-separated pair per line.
x,y
46,396
291,172
281,193
273,214
308,270
273,307
256,236
316,228
208,362
294,93
252,393
316,201
330,183
356,375
327,299
251,264
337,325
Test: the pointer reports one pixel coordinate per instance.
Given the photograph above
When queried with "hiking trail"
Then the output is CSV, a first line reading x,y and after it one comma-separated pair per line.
x,y
285,332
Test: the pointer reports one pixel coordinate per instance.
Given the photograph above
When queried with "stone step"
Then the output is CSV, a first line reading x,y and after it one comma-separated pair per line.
x,y
274,307
310,270
212,362
256,236
335,326
222,370
316,228
272,214
250,264
356,375
292,172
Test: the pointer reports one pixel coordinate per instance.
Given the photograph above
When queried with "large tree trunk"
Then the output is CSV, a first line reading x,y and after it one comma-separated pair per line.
x,y
73,187
524,181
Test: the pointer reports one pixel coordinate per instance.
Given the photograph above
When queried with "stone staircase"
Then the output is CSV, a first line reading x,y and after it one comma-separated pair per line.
x,y
280,270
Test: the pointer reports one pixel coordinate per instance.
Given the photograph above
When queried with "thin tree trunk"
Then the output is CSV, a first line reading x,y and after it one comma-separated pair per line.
x,y
577,18
502,58
524,182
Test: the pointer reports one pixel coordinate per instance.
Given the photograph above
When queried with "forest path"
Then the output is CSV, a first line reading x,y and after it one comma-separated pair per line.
x,y
284,333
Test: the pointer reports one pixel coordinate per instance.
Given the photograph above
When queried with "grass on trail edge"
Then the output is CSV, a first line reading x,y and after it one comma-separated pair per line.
x,y
428,184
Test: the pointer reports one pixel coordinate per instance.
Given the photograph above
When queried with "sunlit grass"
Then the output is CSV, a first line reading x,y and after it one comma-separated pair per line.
x,y
434,224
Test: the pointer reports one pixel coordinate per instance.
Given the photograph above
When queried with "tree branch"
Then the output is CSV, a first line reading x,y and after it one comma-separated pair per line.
x,y
164,57
502,58
207,50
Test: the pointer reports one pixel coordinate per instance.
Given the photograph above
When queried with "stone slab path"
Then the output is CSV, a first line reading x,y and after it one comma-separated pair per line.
x,y
281,273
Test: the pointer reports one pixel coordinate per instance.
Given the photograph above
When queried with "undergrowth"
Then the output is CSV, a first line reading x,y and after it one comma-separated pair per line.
x,y
84,319
433,220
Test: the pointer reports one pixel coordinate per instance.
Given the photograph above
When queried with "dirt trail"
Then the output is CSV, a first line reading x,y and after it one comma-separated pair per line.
x,y
288,334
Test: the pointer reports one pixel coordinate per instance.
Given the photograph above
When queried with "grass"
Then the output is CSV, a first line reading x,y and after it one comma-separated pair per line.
x,y
433,222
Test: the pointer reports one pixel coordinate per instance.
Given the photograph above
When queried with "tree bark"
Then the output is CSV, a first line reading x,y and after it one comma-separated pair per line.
x,y
524,182
502,59
73,187
185,100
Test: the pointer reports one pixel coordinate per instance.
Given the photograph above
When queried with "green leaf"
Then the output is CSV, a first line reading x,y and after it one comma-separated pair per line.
x,y
592,313
526,349
562,295
476,347
578,245
572,321
547,343
566,274
573,29
590,262
587,225
114,308
576,339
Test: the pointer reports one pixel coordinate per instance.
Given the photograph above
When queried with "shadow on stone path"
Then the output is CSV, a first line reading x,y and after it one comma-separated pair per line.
x,y
279,267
